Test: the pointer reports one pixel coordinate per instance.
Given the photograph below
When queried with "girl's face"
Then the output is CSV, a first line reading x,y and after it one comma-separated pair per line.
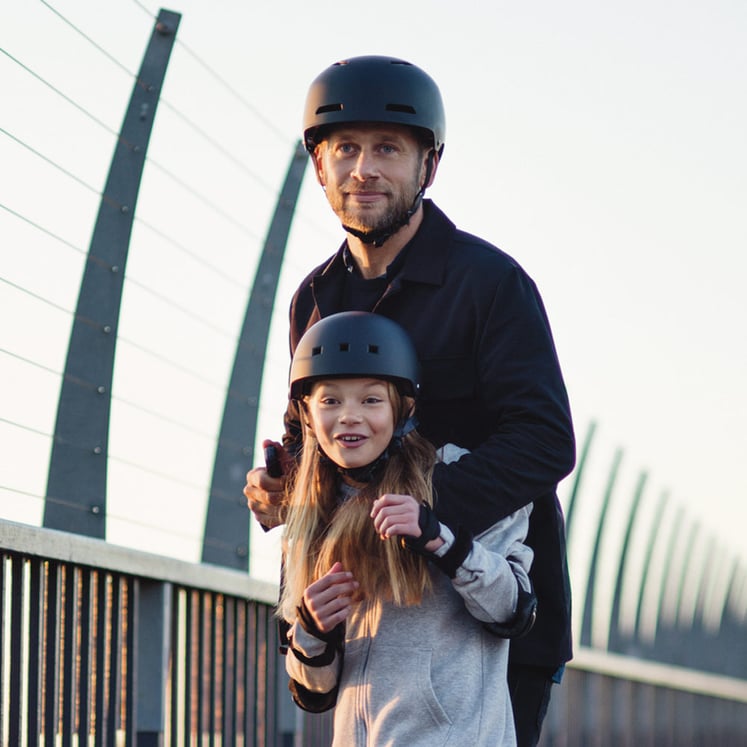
x,y
352,419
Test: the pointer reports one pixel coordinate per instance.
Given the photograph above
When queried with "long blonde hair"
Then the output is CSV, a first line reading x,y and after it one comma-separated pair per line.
x,y
320,529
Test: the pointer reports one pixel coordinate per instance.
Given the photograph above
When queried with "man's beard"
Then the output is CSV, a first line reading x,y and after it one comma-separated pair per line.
x,y
395,215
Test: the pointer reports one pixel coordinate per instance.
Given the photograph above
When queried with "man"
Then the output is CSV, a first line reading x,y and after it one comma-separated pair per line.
x,y
374,128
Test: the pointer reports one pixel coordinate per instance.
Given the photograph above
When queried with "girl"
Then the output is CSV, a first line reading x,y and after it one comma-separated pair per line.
x,y
394,618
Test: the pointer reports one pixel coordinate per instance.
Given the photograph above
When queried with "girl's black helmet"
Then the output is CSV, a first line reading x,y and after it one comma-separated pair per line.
x,y
374,89
355,344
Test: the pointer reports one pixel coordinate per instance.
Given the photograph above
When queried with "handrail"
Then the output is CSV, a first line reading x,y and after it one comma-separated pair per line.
x,y
95,553
662,675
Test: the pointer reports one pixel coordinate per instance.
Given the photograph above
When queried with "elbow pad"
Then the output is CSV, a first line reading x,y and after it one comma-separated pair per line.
x,y
311,701
522,621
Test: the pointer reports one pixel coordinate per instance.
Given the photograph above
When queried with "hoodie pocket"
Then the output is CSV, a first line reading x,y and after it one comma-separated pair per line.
x,y
403,707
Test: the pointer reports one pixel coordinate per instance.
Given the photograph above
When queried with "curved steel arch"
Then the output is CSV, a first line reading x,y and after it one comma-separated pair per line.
x,y
588,613
615,639
76,482
226,533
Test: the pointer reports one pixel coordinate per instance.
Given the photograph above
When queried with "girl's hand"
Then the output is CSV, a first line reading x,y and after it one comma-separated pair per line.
x,y
328,600
396,515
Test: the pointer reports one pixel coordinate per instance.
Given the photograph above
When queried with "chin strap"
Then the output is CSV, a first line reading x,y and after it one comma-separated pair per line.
x,y
379,237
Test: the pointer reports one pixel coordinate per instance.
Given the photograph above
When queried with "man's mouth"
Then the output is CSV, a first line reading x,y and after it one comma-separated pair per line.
x,y
366,196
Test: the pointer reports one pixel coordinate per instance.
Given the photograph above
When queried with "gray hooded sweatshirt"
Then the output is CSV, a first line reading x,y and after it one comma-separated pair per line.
x,y
429,675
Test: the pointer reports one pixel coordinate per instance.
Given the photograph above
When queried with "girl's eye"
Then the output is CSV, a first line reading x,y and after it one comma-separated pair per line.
x,y
372,400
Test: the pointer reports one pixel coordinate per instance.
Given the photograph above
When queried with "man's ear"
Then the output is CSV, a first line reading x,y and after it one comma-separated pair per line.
x,y
431,174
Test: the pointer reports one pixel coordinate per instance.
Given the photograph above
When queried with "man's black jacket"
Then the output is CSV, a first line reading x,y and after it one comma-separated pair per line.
x,y
491,384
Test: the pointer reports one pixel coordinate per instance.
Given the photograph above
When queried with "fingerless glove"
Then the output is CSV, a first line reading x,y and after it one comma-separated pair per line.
x,y
430,528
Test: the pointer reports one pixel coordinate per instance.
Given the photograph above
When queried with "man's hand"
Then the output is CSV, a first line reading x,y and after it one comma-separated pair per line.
x,y
264,494
329,600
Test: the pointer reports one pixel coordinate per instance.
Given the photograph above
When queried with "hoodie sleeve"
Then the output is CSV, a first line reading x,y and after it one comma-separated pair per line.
x,y
495,569
496,566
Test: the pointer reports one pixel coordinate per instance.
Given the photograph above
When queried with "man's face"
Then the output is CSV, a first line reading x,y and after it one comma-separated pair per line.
x,y
371,173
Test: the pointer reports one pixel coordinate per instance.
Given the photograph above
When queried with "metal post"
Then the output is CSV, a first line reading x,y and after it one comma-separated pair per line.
x,y
577,480
76,485
226,537
588,612
649,551
665,609
152,640
615,640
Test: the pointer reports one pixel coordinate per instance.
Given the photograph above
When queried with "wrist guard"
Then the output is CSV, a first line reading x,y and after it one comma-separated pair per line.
x,y
429,528
450,561
309,625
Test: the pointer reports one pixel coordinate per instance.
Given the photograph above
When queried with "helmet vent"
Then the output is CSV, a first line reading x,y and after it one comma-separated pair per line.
x,y
330,108
373,349
316,350
344,347
404,108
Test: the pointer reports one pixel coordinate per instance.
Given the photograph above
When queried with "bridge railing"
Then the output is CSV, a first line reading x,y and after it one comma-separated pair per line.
x,y
103,645
611,700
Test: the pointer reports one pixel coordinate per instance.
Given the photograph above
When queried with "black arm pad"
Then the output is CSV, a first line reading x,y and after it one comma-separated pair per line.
x,y
333,639
521,623
311,701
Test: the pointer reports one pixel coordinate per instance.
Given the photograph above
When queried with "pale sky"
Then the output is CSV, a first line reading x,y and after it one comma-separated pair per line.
x,y
600,144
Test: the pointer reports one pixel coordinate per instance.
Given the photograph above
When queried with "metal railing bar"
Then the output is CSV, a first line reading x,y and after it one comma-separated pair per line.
x,y
103,621
35,651
115,660
69,654
51,647
95,553
85,623
17,603
661,675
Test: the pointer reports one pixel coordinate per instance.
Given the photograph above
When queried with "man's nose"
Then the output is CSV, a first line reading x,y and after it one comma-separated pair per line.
x,y
365,166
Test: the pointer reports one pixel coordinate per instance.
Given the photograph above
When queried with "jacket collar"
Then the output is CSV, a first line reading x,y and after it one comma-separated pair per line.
x,y
427,255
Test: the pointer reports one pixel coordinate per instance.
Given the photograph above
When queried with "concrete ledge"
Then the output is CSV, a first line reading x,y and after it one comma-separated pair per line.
x,y
94,553
662,675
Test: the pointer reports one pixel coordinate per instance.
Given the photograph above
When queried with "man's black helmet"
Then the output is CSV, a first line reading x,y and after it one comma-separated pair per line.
x,y
355,344
374,89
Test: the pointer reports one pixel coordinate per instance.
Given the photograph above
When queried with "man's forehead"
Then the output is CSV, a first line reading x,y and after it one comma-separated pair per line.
x,y
368,129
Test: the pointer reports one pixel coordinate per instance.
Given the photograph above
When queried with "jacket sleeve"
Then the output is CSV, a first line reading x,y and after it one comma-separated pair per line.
x,y
523,441
493,576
